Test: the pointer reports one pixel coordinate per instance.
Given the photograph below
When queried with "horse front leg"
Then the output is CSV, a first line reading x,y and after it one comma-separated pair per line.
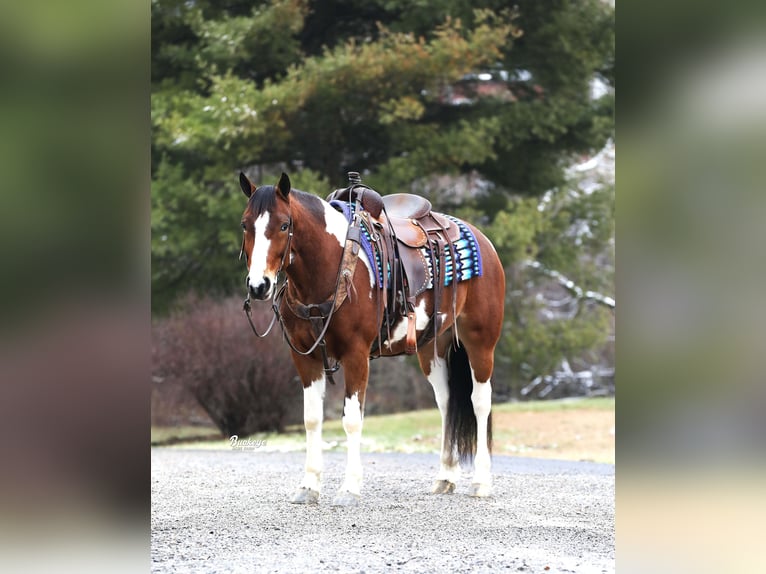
x,y
356,372
313,378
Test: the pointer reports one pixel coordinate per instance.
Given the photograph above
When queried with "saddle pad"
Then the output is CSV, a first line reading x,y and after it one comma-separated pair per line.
x,y
467,254
467,262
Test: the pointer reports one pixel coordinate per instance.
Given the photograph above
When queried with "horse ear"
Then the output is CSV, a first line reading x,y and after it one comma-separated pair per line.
x,y
246,185
284,185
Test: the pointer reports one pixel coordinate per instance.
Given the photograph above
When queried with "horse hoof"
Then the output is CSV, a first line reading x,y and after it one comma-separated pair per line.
x,y
480,490
305,496
443,487
346,498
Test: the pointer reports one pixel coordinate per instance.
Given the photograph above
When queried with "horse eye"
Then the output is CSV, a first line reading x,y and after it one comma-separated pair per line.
x,y
284,227
243,225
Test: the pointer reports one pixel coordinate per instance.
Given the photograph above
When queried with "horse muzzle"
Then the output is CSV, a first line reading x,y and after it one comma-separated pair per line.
x,y
261,289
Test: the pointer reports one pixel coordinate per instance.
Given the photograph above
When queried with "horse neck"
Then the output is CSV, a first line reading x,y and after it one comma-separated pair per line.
x,y
315,252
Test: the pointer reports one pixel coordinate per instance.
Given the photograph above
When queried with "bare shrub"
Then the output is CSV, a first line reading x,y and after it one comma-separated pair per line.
x,y
397,385
245,385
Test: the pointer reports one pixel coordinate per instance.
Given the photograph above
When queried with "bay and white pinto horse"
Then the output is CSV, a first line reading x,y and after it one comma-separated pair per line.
x,y
304,236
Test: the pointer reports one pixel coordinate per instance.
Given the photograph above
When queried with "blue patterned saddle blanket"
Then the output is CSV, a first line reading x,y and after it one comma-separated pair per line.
x,y
467,262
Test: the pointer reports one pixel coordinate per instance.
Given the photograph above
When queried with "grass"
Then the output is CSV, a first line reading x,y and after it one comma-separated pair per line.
x,y
571,429
174,435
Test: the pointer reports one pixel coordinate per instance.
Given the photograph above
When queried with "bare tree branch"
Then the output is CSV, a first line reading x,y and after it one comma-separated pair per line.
x,y
570,285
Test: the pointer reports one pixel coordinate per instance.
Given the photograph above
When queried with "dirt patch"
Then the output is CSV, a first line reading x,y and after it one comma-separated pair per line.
x,y
583,434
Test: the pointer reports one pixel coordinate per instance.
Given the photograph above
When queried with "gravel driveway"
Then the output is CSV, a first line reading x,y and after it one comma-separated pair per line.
x,y
228,511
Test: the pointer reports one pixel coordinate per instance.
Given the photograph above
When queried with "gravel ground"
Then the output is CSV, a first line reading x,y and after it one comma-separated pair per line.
x,y
228,511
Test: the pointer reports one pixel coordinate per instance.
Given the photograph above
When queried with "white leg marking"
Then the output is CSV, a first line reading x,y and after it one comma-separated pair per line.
x,y
438,380
352,424
481,397
336,224
400,331
260,251
313,410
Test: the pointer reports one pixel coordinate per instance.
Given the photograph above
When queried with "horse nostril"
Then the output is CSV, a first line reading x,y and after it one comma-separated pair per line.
x,y
259,291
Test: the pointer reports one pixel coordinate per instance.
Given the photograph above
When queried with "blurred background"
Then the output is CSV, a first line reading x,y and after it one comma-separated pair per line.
x,y
74,287
691,432
500,114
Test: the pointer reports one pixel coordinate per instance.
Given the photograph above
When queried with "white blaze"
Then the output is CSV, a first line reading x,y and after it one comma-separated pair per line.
x,y
260,251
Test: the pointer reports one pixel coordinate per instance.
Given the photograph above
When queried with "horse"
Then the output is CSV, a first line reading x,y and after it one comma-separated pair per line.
x,y
292,234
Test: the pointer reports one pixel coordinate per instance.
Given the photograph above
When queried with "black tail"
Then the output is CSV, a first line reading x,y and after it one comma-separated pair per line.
x,y
461,421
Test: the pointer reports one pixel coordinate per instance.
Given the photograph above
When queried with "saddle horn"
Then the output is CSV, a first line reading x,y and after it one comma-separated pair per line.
x,y
369,198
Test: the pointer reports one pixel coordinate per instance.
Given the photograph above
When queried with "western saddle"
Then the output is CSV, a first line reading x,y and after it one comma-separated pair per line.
x,y
399,226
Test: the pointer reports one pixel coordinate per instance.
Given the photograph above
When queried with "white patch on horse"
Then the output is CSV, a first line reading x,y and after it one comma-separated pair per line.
x,y
352,424
363,257
337,225
438,379
313,411
481,397
400,330
260,251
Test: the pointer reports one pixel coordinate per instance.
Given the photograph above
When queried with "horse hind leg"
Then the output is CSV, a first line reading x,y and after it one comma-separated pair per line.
x,y
481,361
481,324
481,397
435,369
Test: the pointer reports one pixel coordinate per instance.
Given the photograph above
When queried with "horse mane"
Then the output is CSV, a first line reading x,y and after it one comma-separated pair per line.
x,y
264,198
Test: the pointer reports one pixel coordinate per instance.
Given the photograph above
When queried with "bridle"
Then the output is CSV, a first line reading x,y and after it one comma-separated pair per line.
x,y
318,314
278,289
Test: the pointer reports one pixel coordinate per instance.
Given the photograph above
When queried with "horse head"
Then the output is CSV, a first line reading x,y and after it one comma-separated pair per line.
x,y
268,227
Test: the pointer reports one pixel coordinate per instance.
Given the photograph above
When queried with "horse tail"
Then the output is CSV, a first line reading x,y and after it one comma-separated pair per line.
x,y
461,420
